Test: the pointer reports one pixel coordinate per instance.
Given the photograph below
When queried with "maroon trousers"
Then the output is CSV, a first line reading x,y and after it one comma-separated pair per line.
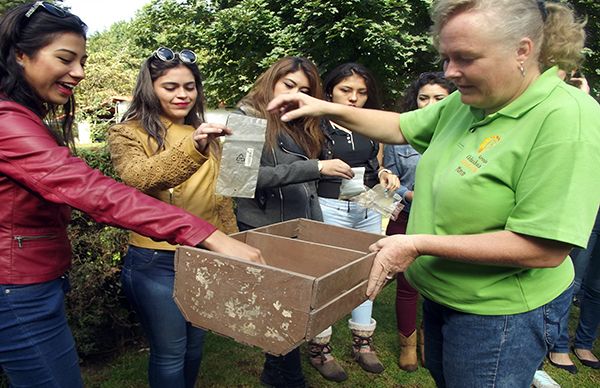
x,y
406,296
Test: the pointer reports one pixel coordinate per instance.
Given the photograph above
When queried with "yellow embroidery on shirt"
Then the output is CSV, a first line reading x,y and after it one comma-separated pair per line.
x,y
488,143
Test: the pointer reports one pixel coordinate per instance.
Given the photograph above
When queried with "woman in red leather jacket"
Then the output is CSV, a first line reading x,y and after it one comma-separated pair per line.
x,y
42,55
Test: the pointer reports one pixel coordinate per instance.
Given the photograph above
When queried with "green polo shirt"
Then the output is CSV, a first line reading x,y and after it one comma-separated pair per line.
x,y
532,168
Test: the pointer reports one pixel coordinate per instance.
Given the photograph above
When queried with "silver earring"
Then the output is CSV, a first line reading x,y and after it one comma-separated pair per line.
x,y
522,69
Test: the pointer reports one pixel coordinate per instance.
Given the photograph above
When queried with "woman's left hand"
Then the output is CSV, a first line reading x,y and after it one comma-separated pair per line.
x,y
389,181
394,254
206,132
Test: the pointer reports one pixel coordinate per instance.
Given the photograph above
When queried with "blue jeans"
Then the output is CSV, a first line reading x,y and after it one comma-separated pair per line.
x,y
581,257
468,350
175,345
589,317
350,214
587,288
36,345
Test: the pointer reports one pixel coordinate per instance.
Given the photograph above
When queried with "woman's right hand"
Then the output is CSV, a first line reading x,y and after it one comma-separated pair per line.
x,y
219,242
204,134
336,167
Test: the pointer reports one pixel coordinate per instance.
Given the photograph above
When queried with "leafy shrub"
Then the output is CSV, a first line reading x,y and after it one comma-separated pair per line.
x,y
96,308
99,130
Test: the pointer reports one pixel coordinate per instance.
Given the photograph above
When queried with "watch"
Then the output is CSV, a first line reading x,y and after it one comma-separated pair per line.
x,y
319,165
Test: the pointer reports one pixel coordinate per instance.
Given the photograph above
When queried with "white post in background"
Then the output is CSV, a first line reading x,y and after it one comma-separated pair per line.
x,y
84,137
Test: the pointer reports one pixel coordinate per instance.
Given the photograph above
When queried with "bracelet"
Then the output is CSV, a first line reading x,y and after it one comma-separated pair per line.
x,y
383,170
319,165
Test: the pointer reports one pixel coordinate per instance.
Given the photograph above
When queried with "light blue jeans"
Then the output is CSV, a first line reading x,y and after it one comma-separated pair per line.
x,y
175,345
502,351
36,345
351,215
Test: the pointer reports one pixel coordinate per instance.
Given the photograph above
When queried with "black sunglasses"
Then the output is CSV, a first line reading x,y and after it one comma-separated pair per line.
x,y
53,10
167,55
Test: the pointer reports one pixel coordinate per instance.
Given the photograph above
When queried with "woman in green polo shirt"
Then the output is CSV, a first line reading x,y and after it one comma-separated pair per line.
x,y
508,183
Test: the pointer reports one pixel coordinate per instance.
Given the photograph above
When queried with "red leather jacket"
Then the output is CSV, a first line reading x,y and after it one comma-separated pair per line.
x,y
39,183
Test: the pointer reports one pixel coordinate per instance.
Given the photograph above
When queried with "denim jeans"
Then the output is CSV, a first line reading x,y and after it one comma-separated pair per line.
x,y
581,258
350,215
175,345
36,345
587,289
468,350
589,304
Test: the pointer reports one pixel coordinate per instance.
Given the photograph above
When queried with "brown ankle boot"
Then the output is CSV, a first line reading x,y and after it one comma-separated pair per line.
x,y
321,358
408,352
364,353
363,350
421,340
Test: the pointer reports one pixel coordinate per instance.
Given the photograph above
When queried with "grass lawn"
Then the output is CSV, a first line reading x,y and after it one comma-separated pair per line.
x,y
228,364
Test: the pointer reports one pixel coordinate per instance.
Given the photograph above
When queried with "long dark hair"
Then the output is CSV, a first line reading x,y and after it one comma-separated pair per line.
x,y
306,132
145,105
27,35
346,70
409,101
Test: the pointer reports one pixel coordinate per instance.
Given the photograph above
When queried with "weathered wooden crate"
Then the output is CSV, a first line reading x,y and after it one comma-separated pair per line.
x,y
305,287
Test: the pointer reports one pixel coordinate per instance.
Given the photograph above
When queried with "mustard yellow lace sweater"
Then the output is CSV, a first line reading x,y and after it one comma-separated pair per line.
x,y
179,175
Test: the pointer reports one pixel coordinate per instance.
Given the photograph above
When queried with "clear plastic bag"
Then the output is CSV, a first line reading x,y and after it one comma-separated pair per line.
x,y
240,159
355,186
388,204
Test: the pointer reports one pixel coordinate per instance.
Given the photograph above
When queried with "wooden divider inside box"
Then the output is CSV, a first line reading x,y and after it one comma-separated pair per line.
x,y
319,232
304,288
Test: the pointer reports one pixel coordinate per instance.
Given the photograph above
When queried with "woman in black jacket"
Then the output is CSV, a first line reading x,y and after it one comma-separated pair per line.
x,y
287,179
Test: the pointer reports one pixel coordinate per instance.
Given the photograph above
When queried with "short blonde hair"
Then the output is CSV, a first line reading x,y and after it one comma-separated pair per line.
x,y
557,34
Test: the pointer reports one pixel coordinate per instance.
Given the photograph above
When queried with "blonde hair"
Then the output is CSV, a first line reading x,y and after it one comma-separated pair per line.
x,y
557,34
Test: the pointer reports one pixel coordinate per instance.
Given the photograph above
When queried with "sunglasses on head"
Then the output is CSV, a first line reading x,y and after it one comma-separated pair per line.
x,y
48,7
51,9
167,55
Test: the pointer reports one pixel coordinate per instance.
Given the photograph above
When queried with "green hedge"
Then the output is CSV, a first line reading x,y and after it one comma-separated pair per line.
x,y
98,313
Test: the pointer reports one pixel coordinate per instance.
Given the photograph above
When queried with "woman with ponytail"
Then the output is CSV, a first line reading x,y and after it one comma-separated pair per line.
x,y
508,183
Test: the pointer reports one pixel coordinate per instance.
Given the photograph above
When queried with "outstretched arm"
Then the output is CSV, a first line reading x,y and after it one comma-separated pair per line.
x,y
379,125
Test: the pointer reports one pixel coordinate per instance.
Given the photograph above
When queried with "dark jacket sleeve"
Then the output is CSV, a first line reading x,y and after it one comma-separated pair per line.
x,y
30,156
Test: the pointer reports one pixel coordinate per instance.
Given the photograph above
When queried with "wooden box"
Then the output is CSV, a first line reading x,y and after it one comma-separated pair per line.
x,y
315,275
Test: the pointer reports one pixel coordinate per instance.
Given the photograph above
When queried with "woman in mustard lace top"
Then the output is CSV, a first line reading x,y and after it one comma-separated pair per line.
x,y
164,149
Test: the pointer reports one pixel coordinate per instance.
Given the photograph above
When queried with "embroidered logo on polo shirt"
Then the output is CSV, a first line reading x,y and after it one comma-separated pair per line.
x,y
488,143
474,162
